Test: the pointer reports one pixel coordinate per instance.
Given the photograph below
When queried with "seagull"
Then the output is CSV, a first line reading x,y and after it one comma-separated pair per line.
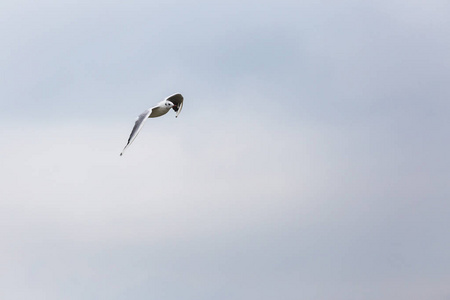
x,y
174,101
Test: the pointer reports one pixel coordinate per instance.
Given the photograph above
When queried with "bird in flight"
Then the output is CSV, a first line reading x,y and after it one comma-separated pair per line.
x,y
174,101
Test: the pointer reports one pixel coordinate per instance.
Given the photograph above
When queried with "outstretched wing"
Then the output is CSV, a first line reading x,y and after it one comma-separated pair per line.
x,y
177,100
137,127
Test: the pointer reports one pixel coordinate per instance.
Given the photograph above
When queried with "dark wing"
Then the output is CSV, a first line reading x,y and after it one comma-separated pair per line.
x,y
137,127
177,100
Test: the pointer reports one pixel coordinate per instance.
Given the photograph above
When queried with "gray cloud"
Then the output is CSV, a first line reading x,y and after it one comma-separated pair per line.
x,y
310,159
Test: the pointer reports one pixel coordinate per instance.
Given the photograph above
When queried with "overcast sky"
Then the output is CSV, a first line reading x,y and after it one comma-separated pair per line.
x,y
310,161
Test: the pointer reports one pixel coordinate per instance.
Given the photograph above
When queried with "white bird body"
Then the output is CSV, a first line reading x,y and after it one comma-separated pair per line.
x,y
174,101
161,109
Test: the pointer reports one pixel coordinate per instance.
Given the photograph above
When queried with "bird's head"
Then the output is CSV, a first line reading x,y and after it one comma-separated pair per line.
x,y
169,104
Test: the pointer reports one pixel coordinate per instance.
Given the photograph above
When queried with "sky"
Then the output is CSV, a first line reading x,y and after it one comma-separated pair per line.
x,y
310,160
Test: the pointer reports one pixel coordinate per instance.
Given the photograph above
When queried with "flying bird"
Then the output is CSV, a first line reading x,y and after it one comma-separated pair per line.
x,y
174,101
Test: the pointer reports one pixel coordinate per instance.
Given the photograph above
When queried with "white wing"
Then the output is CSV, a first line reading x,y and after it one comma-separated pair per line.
x,y
137,127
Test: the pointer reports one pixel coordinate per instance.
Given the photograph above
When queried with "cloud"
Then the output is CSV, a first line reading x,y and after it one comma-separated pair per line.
x,y
271,204
310,159
73,171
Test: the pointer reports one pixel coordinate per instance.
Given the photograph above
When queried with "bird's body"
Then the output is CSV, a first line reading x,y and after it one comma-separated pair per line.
x,y
174,101
160,109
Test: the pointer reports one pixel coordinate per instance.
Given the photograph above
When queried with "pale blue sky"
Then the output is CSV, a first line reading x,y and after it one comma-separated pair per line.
x,y
310,160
